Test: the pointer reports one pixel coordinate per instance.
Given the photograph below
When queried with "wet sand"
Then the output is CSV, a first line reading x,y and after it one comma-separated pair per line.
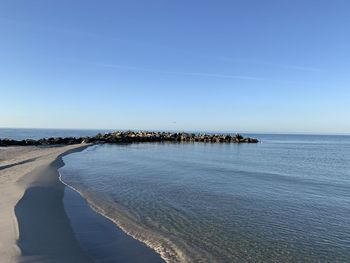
x,y
42,220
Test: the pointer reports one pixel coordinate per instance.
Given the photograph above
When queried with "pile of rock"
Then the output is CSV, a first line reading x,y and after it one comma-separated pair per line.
x,y
44,141
144,136
132,136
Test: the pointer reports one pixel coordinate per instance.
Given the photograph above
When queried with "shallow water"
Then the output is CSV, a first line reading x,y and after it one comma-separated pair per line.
x,y
99,238
286,199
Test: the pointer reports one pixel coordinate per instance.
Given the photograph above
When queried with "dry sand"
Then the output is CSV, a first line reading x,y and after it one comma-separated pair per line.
x,y
21,169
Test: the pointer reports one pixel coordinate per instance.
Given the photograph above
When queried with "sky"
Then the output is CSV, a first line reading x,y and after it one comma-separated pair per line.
x,y
196,65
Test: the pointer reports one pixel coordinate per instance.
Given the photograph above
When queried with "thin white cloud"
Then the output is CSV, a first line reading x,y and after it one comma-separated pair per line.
x,y
241,60
203,74
172,49
264,63
65,31
181,73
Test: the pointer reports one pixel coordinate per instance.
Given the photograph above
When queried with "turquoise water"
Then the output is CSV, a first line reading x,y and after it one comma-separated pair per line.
x,y
286,199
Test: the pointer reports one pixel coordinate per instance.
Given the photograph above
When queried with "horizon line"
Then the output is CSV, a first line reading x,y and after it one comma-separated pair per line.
x,y
190,131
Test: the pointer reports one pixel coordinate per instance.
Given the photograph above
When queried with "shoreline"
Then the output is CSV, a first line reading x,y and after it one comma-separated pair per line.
x,y
148,244
18,172
45,234
98,211
34,223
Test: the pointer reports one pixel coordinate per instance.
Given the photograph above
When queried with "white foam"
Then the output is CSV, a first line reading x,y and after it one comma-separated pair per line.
x,y
163,246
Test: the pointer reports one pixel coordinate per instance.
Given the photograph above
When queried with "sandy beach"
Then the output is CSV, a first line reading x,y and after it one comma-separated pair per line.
x,y
34,223
23,168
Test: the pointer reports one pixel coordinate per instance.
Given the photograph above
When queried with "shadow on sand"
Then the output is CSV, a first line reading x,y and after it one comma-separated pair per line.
x,y
57,225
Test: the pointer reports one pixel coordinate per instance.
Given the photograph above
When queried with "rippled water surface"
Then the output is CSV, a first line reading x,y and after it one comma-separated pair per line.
x,y
286,199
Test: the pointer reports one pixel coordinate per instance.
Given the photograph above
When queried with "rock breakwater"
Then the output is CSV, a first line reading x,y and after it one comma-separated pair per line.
x,y
135,136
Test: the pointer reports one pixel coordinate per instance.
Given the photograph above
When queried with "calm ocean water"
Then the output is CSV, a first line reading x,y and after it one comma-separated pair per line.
x,y
22,134
286,199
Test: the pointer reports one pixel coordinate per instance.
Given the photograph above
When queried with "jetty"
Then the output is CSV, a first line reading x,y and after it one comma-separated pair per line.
x,y
134,136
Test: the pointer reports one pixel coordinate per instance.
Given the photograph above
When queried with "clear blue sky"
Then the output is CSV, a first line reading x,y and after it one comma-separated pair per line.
x,y
256,66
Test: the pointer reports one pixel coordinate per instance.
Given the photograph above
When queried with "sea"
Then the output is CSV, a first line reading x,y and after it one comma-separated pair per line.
x,y
285,199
